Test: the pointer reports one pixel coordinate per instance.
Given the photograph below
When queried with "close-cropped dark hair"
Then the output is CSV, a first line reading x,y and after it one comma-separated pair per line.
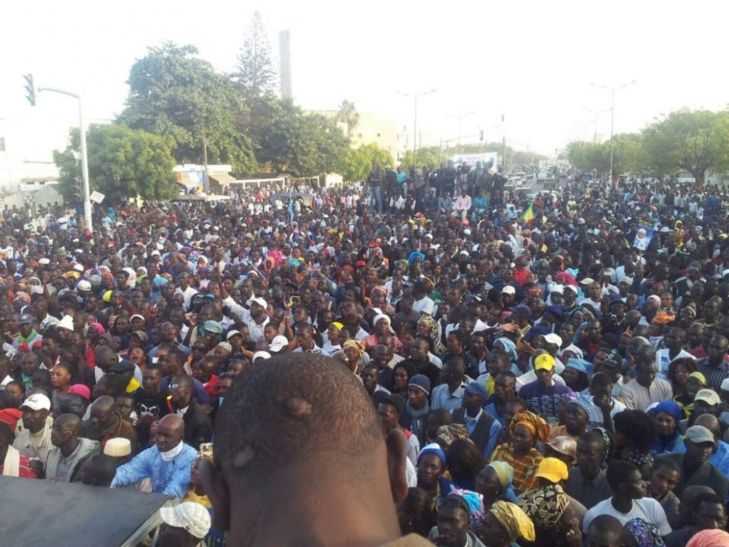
x,y
295,405
618,472
637,427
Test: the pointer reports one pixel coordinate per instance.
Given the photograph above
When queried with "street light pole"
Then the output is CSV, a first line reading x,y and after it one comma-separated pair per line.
x,y
415,115
85,169
415,125
84,154
459,118
612,129
613,90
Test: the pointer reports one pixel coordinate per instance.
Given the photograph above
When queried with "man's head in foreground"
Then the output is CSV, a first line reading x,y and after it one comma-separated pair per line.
x,y
300,458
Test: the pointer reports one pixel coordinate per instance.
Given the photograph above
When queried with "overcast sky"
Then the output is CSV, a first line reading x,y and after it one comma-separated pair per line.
x,y
533,62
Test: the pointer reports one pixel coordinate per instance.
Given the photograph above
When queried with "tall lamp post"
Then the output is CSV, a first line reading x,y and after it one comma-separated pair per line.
x,y
30,88
459,117
415,96
613,90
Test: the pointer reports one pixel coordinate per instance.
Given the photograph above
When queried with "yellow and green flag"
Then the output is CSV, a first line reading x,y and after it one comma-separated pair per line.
x,y
529,215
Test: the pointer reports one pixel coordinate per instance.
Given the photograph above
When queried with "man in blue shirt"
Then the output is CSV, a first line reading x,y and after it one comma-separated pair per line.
x,y
544,396
450,394
168,463
483,429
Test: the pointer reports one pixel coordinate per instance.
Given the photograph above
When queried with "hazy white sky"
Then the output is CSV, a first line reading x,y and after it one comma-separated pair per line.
x,y
532,61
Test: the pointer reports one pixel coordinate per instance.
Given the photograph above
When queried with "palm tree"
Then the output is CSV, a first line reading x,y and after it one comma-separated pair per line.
x,y
348,114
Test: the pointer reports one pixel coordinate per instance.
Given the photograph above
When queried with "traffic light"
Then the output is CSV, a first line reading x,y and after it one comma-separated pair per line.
x,y
29,88
480,135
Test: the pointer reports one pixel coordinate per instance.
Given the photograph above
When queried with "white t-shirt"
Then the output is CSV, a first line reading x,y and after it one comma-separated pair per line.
x,y
596,418
647,509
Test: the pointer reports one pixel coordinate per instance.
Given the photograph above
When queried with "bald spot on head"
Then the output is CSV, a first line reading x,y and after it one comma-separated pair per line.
x,y
103,404
294,408
710,422
175,424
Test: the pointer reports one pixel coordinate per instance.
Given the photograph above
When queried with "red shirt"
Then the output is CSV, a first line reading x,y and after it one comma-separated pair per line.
x,y
25,471
521,275
211,387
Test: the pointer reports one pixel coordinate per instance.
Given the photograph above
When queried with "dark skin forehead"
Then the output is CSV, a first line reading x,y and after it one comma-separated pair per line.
x,y
172,425
68,422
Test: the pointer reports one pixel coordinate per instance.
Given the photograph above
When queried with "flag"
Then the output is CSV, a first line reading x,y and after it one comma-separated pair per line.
x,y
528,215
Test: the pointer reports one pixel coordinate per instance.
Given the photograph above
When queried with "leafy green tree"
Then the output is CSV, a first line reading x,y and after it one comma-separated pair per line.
x,y
587,156
300,143
429,158
628,154
123,163
179,96
255,75
694,141
356,163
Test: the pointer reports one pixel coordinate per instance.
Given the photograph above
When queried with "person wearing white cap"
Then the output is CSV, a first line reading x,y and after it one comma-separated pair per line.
x,y
507,296
34,440
278,344
66,322
184,525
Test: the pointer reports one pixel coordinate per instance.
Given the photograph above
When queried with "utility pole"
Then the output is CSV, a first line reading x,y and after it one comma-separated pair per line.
x,y
459,117
415,115
84,153
503,144
613,90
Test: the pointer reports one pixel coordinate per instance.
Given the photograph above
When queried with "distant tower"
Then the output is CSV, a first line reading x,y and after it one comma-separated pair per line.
x,y
284,57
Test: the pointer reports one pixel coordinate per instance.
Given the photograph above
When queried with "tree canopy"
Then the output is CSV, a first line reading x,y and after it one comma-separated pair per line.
x,y
694,141
357,162
123,163
175,94
429,157
300,143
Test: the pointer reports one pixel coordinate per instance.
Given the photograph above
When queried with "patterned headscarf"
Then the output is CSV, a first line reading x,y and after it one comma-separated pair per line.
x,y
608,445
533,423
447,434
644,533
545,505
514,520
433,332
476,510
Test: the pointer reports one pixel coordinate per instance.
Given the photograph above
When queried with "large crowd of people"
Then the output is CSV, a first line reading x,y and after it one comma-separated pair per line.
x,y
423,358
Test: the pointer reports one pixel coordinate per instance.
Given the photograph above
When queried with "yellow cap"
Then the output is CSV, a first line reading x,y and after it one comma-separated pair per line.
x,y
553,470
544,361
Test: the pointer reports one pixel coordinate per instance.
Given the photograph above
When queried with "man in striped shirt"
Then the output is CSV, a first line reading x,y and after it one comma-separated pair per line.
x,y
715,366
